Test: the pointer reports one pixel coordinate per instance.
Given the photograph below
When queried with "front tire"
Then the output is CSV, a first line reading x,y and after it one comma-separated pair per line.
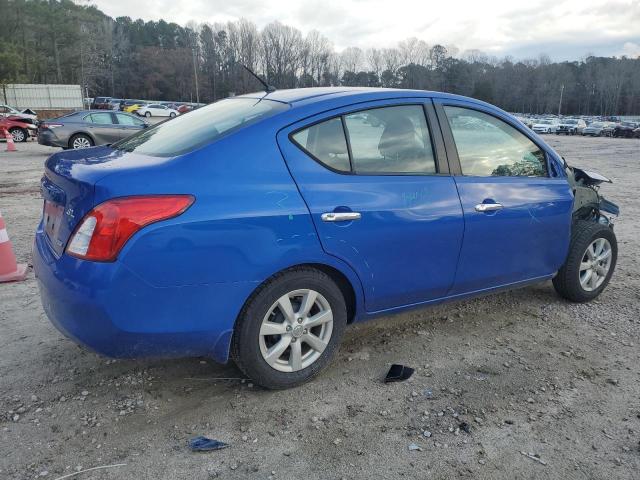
x,y
147,114
19,134
592,257
290,328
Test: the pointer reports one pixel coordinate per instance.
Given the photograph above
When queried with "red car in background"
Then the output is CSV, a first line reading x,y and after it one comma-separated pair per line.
x,y
184,108
19,130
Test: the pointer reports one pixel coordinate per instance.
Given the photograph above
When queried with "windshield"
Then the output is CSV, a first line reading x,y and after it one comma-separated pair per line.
x,y
570,122
199,127
597,124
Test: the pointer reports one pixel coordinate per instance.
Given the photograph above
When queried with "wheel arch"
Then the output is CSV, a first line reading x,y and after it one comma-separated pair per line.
x,y
343,283
80,132
346,280
24,130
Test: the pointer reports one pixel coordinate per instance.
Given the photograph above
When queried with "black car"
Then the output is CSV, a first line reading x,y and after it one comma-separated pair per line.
x,y
87,128
625,129
100,103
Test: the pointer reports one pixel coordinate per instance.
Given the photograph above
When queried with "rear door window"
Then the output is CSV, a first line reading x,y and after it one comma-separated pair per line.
x,y
488,146
378,141
390,140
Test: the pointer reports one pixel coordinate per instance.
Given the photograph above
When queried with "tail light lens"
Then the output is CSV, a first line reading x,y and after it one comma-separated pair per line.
x,y
51,125
104,230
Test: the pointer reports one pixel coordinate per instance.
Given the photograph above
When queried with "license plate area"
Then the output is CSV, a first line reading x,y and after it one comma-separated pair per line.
x,y
52,220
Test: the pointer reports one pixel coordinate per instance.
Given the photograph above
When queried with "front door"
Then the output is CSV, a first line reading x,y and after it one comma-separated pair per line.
x,y
103,127
381,198
517,207
128,125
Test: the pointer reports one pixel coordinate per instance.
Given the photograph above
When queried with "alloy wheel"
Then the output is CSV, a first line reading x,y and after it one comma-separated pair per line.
x,y
81,142
18,135
296,330
595,264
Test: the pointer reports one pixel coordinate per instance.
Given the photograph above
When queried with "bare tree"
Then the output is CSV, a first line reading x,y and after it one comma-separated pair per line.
x,y
352,59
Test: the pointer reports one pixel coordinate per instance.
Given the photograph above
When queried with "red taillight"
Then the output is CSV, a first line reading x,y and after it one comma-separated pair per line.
x,y
104,230
51,125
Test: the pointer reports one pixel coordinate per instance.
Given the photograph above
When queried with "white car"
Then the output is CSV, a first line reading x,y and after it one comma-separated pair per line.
x,y
157,110
544,126
7,111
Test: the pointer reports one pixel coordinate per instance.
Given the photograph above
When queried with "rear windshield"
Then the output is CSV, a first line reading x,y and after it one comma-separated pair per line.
x,y
195,129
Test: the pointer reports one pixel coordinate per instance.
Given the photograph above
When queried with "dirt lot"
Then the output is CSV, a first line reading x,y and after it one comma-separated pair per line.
x,y
525,370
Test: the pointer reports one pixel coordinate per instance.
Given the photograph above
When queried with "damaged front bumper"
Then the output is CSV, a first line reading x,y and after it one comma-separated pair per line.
x,y
588,203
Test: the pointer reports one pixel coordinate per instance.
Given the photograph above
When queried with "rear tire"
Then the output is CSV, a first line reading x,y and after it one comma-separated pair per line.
x,y
270,360
80,140
585,275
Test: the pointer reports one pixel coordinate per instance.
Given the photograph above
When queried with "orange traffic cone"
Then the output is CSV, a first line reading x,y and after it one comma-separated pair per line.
x,y
11,147
10,271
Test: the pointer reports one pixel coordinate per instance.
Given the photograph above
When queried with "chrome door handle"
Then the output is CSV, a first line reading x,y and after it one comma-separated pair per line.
x,y
488,207
340,216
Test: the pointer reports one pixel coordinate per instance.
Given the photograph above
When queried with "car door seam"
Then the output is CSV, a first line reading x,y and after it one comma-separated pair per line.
x,y
313,223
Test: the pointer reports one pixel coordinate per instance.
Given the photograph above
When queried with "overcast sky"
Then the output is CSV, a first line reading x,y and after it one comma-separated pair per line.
x,y
562,29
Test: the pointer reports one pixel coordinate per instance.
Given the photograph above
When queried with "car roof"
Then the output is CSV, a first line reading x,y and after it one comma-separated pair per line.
x,y
307,96
306,102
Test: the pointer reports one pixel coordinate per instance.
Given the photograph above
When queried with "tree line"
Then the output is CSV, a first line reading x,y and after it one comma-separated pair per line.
x,y
59,41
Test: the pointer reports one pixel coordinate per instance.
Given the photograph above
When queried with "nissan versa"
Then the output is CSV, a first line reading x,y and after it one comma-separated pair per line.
x,y
258,227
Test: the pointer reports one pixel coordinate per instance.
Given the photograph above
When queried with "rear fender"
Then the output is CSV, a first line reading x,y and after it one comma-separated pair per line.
x,y
81,132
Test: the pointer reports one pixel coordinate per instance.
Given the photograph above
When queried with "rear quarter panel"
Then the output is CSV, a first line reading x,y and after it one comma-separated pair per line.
x,y
247,223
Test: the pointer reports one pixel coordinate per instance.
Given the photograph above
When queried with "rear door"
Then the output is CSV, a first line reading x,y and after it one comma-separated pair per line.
x,y
517,202
103,127
376,181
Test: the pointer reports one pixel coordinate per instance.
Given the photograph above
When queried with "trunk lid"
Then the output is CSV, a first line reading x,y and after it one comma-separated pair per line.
x,y
70,187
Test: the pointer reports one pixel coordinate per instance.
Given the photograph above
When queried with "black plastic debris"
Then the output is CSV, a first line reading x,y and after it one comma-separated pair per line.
x,y
398,373
465,427
204,444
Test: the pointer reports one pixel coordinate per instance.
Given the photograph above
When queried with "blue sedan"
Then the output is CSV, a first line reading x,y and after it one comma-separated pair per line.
x,y
259,226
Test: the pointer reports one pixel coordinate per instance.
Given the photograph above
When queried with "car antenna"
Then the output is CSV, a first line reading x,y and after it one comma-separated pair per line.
x,y
267,88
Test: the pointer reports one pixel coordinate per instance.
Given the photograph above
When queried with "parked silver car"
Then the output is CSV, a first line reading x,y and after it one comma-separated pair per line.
x,y
599,129
87,128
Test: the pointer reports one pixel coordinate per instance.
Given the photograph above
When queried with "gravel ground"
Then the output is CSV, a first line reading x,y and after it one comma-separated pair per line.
x,y
517,385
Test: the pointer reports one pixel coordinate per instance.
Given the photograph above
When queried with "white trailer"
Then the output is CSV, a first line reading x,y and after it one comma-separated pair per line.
x,y
42,97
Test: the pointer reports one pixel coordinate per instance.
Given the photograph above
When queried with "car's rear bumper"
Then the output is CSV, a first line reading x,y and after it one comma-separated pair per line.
x,y
48,138
113,311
